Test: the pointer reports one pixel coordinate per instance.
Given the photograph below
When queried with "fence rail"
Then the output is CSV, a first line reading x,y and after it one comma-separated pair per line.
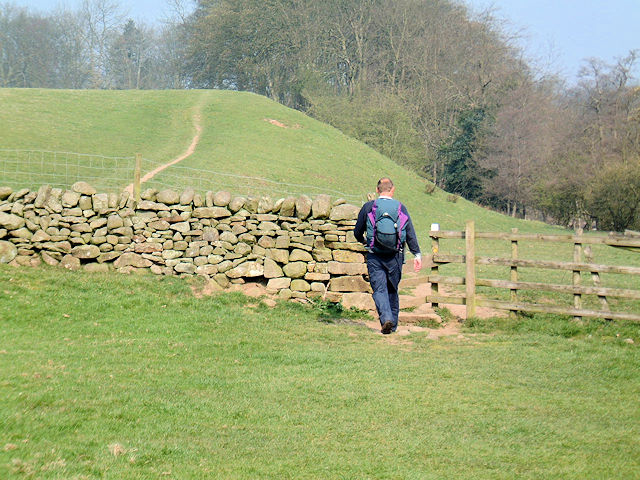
x,y
515,264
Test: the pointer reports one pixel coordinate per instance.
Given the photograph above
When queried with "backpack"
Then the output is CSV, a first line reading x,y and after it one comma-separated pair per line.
x,y
386,227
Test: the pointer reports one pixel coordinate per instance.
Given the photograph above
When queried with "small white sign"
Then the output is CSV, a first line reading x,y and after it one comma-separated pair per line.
x,y
435,227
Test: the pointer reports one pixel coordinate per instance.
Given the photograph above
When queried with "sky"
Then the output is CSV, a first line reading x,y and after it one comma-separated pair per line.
x,y
561,34
557,35
148,10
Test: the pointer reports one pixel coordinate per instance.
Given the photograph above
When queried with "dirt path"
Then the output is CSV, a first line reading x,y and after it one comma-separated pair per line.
x,y
415,312
197,124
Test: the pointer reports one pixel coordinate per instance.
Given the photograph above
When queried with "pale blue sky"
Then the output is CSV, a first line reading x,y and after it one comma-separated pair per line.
x,y
558,34
148,10
563,33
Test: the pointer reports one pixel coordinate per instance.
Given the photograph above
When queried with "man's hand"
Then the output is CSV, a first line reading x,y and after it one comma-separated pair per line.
x,y
417,264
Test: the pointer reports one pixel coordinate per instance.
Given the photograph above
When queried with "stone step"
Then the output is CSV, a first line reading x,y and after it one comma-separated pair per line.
x,y
420,313
412,317
409,301
424,308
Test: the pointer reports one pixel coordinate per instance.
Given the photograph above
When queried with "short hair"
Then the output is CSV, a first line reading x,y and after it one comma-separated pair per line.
x,y
384,185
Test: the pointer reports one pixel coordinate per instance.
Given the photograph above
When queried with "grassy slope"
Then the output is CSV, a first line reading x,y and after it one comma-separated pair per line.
x,y
223,387
114,123
237,139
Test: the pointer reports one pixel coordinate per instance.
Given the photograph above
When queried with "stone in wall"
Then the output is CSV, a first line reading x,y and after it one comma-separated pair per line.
x,y
322,254
288,207
8,251
83,188
49,259
222,199
321,206
5,192
265,205
187,196
236,204
300,285
363,301
42,195
70,262
295,269
130,259
339,268
298,255
85,252
349,284
168,197
210,212
303,206
246,270
344,212
272,269
346,256
10,221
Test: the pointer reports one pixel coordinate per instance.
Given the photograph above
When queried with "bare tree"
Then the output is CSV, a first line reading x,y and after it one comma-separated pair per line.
x,y
606,102
100,22
27,48
72,58
526,135
132,57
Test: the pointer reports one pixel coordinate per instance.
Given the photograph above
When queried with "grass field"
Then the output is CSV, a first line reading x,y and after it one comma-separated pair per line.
x,y
108,376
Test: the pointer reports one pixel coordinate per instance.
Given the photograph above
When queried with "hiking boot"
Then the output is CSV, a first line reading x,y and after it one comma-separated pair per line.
x,y
387,327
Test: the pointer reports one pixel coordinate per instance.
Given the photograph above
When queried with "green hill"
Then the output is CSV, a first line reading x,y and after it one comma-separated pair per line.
x,y
248,145
239,150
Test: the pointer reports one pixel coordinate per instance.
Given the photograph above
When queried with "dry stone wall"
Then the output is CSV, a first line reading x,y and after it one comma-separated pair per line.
x,y
301,247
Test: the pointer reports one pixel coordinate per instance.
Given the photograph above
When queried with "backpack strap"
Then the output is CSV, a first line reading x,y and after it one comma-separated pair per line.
x,y
372,219
402,222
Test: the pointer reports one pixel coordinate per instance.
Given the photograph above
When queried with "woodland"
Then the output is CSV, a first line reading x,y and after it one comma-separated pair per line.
x,y
441,90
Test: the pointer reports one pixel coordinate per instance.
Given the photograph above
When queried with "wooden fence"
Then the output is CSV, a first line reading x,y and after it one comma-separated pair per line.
x,y
514,305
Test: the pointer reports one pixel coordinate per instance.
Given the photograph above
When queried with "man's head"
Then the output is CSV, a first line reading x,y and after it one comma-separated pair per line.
x,y
385,187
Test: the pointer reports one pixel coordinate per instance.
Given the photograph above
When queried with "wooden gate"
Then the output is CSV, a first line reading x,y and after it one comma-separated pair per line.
x,y
581,247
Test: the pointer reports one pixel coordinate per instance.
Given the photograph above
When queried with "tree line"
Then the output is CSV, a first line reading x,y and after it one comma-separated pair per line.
x,y
93,47
436,88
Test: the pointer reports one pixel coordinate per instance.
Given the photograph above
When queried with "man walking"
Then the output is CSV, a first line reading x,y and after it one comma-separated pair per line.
x,y
388,226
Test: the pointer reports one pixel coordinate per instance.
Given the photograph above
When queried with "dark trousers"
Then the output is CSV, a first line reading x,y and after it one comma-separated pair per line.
x,y
384,276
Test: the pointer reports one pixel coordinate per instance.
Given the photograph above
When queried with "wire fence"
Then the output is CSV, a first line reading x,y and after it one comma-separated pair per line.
x,y
205,180
33,168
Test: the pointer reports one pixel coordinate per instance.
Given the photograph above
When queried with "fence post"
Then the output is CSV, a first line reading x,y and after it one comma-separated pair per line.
x,y
470,277
577,258
136,178
514,272
435,248
595,276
